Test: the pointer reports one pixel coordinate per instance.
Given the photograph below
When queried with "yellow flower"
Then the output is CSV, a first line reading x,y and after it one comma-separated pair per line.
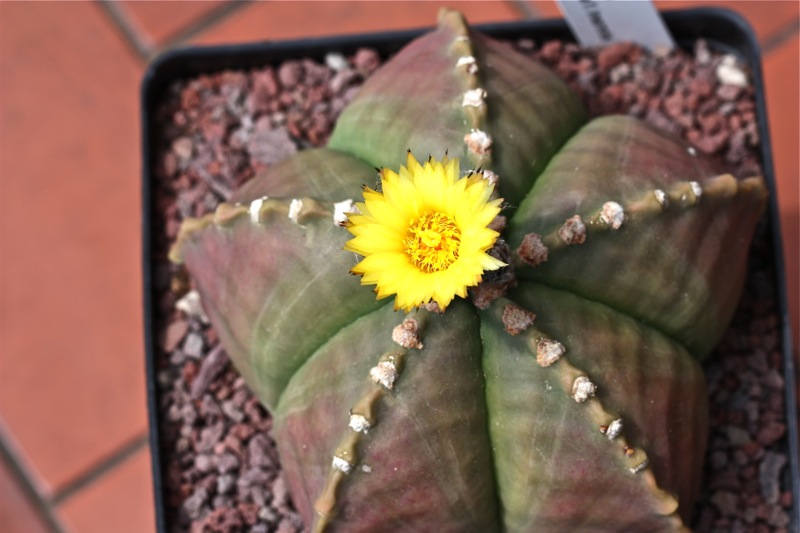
x,y
424,237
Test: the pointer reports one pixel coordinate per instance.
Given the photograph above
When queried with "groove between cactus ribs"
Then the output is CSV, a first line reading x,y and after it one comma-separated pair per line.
x,y
549,353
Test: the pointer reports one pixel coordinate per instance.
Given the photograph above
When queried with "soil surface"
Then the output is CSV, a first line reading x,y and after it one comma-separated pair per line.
x,y
220,467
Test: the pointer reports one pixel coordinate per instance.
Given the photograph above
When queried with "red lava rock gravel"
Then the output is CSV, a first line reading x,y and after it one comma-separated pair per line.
x,y
220,466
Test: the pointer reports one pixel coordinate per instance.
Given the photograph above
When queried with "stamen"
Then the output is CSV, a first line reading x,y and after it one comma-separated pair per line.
x,y
433,242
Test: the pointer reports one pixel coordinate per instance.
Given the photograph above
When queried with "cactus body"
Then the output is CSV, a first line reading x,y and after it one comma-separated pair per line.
x,y
570,397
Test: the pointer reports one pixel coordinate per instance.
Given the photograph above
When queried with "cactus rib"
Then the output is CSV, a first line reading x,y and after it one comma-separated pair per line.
x,y
578,385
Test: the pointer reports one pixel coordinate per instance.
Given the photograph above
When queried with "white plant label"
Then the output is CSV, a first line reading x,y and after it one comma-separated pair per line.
x,y
601,22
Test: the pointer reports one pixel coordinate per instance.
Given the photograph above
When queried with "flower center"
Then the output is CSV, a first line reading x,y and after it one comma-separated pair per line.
x,y
433,242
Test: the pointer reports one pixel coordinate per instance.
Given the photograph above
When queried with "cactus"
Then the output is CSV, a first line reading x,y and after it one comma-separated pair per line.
x,y
566,393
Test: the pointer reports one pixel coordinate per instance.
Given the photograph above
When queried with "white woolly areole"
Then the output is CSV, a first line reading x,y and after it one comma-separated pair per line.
x,y
478,141
385,373
491,177
469,62
691,151
359,423
366,468
641,466
340,464
473,98
573,231
294,209
614,429
662,197
583,389
612,214
697,189
255,209
406,334
548,352
340,210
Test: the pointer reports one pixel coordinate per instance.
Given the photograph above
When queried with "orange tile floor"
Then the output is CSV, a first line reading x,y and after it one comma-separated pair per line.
x,y
73,425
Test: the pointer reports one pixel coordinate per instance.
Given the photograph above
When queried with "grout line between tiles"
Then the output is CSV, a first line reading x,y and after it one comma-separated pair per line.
x,y
133,36
204,22
105,466
526,9
12,458
780,36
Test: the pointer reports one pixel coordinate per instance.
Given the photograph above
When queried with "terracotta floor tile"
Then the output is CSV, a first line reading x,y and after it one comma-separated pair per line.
x,y
119,502
783,94
71,351
17,513
287,20
546,9
160,20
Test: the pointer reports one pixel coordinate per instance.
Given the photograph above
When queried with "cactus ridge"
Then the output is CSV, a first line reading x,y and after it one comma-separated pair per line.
x,y
534,249
259,211
578,385
473,101
383,377
612,215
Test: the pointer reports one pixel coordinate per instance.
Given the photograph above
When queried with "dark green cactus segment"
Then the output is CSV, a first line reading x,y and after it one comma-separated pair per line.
x,y
683,233
320,173
556,470
532,113
417,101
258,280
427,452
413,102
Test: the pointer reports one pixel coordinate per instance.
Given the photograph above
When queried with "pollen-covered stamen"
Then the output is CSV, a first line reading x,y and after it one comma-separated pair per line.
x,y
433,242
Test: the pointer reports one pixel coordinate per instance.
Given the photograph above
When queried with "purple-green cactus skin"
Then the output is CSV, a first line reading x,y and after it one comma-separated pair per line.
x,y
567,394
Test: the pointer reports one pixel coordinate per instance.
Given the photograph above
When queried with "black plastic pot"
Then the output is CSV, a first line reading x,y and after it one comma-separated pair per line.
x,y
722,29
